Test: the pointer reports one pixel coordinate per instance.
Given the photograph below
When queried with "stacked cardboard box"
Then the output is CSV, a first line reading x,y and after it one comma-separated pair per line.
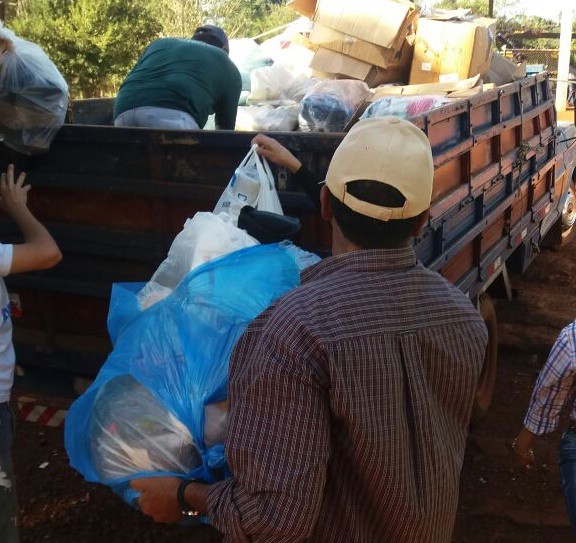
x,y
363,39
451,50
384,41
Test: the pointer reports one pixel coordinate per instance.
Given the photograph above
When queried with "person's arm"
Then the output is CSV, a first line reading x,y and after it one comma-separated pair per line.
x,y
227,107
276,153
552,388
278,442
277,448
39,250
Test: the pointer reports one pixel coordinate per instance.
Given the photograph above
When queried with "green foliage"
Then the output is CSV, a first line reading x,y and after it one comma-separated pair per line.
x,y
93,42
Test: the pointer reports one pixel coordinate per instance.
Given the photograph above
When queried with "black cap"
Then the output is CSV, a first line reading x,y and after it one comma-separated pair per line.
x,y
212,35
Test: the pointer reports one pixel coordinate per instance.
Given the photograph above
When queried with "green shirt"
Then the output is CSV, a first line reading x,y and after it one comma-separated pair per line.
x,y
186,75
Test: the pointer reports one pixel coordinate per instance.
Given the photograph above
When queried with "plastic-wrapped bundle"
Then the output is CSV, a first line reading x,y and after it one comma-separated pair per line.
x,y
331,104
158,405
132,432
404,107
267,118
205,236
33,95
277,84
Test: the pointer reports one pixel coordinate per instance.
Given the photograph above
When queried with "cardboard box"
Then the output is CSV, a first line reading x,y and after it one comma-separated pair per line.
x,y
303,7
382,22
448,51
340,65
502,70
351,46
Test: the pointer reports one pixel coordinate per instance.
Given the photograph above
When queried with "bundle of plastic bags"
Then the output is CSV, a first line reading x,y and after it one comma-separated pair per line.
x,y
330,104
33,95
158,405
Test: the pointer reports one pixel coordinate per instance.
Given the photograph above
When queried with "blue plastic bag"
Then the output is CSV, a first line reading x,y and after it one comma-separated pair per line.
x,y
144,413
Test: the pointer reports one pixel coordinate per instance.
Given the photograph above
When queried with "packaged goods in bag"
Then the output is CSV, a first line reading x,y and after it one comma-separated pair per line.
x,y
251,184
404,107
158,405
331,104
33,95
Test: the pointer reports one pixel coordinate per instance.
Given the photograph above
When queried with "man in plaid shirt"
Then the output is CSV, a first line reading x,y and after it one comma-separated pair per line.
x,y
552,389
350,397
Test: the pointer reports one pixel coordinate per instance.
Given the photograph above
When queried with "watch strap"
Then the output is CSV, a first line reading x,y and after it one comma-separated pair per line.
x,y
185,508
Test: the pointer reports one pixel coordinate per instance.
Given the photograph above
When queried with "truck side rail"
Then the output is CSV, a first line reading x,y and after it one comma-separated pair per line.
x,y
115,197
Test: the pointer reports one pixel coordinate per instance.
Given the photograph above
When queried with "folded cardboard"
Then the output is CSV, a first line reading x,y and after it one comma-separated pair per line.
x,y
447,51
382,22
351,46
429,88
304,7
339,65
503,70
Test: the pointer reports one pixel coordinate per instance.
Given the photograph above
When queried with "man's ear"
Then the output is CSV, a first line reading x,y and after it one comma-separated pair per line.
x,y
422,220
325,208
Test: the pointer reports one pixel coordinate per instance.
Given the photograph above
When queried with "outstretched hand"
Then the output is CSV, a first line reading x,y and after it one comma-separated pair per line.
x,y
13,193
275,152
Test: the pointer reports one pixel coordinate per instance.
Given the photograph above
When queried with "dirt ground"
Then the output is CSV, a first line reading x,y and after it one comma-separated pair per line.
x,y
497,504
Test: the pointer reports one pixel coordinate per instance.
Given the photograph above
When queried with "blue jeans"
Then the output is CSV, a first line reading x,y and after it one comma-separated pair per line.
x,y
156,117
8,504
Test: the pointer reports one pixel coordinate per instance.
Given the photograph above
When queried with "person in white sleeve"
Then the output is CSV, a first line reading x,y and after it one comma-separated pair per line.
x,y
38,251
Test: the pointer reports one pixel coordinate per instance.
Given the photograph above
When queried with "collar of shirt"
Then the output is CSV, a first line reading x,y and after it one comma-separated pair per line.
x,y
364,260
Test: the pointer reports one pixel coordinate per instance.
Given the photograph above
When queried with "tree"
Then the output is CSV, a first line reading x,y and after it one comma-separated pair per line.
x,y
93,42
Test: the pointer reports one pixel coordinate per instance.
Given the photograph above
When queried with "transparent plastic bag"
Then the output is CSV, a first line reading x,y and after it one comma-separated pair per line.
x,y
404,107
157,406
205,236
276,83
247,55
33,95
267,118
251,184
331,104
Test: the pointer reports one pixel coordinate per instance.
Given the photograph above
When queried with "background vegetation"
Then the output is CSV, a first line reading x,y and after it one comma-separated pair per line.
x,y
94,43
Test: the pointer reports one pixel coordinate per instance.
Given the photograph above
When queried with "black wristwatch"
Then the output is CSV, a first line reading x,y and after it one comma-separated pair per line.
x,y
185,509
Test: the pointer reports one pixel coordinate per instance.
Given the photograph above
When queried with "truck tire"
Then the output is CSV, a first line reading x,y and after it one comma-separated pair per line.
x,y
569,215
487,382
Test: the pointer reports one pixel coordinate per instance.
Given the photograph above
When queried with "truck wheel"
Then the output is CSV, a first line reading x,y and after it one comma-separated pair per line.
x,y
569,214
487,381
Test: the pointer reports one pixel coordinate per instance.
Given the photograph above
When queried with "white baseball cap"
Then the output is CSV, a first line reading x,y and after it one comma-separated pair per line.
x,y
387,150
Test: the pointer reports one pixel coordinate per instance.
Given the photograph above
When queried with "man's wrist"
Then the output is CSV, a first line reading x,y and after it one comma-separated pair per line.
x,y
185,508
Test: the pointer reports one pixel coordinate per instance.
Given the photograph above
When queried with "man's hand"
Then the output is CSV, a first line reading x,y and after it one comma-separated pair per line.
x,y
275,152
522,453
13,194
158,497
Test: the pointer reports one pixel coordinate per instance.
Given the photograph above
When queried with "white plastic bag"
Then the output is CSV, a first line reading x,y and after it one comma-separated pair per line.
x,y
267,118
251,184
33,95
277,83
204,237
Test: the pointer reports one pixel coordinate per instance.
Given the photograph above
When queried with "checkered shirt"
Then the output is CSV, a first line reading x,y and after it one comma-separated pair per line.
x,y
350,402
